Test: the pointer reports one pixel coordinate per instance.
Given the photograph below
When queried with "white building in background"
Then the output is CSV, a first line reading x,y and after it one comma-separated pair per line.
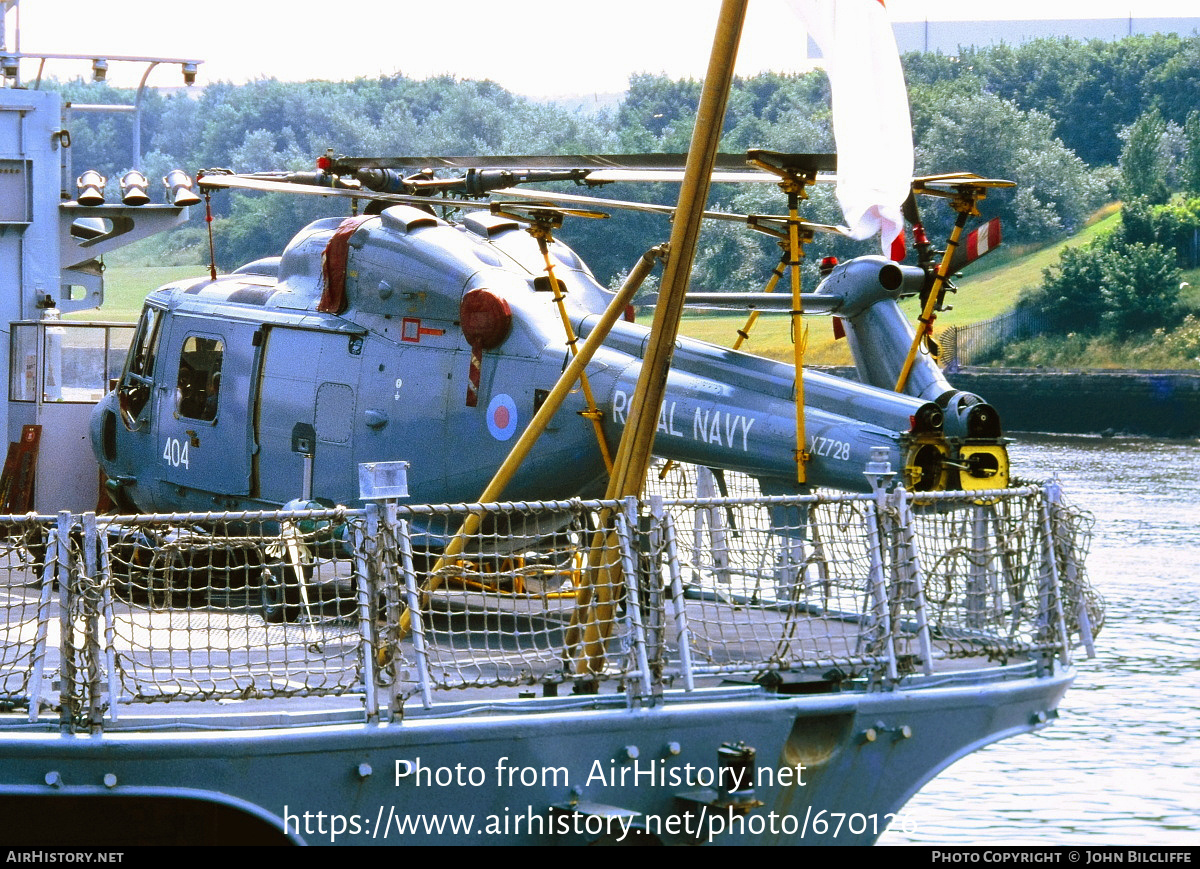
x,y
947,37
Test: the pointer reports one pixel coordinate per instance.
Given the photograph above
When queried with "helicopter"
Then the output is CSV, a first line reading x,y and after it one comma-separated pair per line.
x,y
401,334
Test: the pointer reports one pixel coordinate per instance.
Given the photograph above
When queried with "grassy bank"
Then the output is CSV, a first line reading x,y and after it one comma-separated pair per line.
x,y
126,288
985,290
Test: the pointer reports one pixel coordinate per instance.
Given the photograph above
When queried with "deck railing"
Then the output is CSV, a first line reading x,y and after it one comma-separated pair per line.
x,y
103,614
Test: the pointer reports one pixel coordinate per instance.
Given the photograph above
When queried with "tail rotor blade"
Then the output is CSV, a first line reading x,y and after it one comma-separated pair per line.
x,y
981,240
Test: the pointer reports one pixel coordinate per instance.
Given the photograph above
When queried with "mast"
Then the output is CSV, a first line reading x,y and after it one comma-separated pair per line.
x,y
633,455
592,621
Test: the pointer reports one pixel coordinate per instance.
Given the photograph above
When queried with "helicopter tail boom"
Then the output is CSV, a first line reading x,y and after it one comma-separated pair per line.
x,y
733,410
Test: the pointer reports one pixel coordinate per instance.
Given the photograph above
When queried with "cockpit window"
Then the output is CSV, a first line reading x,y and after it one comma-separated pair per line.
x,y
134,391
145,344
199,380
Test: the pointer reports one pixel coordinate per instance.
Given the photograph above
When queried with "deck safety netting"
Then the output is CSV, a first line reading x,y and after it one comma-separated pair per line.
x,y
984,575
843,581
701,579
1071,530
244,607
796,592
534,595
25,603
780,583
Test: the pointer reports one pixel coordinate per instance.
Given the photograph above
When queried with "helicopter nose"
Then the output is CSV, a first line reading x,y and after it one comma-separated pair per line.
x,y
103,430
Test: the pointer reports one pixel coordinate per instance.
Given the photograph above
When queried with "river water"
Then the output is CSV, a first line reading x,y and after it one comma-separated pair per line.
x,y
1121,766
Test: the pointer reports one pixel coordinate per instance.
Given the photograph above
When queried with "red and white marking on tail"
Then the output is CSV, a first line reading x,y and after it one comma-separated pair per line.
x,y
983,239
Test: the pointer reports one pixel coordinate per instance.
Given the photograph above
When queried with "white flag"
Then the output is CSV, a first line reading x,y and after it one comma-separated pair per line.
x,y
871,122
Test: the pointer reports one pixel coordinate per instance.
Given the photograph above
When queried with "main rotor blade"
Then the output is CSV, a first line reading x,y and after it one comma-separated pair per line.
x,y
264,185
602,168
944,176
950,186
909,209
597,202
669,176
347,165
811,303
535,212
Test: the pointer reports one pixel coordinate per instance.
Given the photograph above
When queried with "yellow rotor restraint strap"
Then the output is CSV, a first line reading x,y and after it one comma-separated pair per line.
x,y
792,242
964,198
542,230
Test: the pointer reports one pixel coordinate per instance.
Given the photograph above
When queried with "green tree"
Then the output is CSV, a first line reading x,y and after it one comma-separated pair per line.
x,y
1069,297
1173,85
1037,75
1111,286
1114,87
1091,90
1174,225
993,137
658,113
1141,290
1190,171
1144,160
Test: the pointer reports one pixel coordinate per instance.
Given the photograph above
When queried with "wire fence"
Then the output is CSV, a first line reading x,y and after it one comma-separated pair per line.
x,y
976,343
701,580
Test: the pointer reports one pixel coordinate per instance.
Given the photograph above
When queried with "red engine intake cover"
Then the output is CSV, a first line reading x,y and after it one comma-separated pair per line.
x,y
486,319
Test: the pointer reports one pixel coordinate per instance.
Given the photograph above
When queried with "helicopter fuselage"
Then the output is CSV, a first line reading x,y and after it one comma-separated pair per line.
x,y
356,345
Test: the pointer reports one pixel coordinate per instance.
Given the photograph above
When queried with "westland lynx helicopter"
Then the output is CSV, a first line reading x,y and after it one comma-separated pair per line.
x,y
399,334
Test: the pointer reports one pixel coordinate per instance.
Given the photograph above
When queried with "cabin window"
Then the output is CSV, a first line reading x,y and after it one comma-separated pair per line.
x,y
199,380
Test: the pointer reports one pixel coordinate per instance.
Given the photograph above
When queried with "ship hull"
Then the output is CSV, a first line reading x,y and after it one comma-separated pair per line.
x,y
831,769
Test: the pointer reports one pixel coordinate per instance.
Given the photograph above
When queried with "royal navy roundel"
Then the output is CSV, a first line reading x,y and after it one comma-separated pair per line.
x,y
502,417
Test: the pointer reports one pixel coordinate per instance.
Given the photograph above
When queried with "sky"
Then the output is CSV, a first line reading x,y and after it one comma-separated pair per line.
x,y
539,49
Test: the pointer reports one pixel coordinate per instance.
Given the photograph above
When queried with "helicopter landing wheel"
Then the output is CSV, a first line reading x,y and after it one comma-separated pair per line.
x,y
280,594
